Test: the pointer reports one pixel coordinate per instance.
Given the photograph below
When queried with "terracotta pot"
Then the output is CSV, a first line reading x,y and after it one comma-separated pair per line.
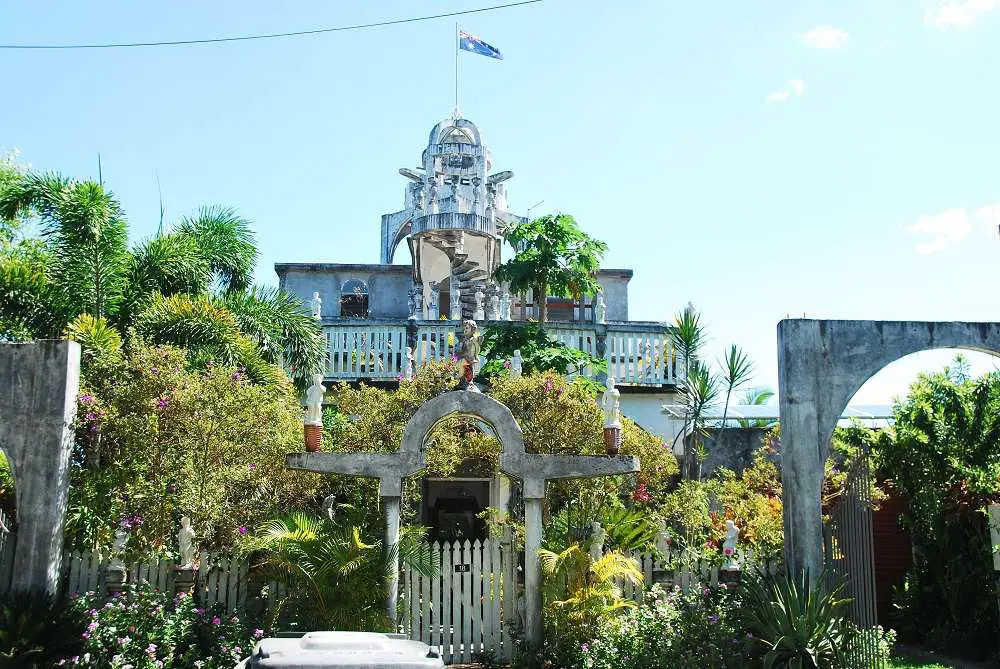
x,y
612,440
314,437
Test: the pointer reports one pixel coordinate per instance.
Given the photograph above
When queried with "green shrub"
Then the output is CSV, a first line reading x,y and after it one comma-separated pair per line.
x,y
797,622
672,629
36,631
876,639
147,629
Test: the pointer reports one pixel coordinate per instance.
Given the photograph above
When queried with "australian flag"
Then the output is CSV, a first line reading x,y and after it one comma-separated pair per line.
x,y
468,42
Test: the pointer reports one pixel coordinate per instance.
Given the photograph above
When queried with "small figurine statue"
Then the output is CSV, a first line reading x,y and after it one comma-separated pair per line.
x,y
468,352
663,539
610,402
515,364
455,306
729,545
185,543
118,548
433,313
460,244
597,536
413,302
600,310
494,311
408,364
479,314
317,306
505,306
314,401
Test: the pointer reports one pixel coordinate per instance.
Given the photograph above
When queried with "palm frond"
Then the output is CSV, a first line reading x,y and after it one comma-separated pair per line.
x,y
96,337
226,242
164,265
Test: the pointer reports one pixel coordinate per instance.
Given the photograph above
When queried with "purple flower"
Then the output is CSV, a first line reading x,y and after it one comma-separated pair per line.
x,y
86,399
252,466
216,621
258,633
243,530
200,612
238,375
506,365
151,649
162,402
91,416
548,385
585,647
713,619
86,635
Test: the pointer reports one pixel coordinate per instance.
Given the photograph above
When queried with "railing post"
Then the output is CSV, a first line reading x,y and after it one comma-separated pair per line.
x,y
411,333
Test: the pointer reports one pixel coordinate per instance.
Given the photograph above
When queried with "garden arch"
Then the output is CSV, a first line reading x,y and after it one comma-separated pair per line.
x,y
821,365
39,382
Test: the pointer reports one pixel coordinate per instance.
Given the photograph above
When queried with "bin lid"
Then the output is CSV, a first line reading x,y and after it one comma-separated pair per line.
x,y
356,650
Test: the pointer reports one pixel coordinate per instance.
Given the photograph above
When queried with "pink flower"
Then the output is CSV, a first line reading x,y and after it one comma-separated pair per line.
x,y
728,551
243,530
258,633
216,621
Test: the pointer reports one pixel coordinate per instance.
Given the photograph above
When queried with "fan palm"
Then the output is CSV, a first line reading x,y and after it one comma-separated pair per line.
x,y
346,577
190,287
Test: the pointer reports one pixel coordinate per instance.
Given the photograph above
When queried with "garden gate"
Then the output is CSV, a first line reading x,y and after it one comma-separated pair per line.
x,y
850,556
469,610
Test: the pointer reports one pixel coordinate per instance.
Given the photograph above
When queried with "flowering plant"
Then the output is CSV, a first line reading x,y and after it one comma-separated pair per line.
x,y
143,628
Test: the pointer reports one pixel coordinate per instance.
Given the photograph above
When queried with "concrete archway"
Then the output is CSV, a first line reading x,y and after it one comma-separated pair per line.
x,y
471,404
39,382
821,365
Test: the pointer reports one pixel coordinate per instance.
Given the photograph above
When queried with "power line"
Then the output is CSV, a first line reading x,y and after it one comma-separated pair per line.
x,y
245,38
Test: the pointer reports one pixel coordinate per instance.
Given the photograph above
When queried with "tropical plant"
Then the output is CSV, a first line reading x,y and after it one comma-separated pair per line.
x,y
189,287
756,397
342,575
553,257
798,622
540,352
736,372
36,631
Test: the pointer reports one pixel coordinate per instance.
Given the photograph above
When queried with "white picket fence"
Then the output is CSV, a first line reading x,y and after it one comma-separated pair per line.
x,y
470,608
695,573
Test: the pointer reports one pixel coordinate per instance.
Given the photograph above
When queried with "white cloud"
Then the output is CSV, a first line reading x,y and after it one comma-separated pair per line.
x,y
795,86
959,13
828,37
951,227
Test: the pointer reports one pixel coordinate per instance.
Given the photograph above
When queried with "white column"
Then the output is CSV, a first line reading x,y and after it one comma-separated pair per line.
x,y
391,539
533,630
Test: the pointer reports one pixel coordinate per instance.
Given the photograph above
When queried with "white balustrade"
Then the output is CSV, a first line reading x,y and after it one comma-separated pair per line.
x,y
356,351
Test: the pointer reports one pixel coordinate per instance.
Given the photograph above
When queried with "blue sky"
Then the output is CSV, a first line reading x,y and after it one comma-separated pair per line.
x,y
829,158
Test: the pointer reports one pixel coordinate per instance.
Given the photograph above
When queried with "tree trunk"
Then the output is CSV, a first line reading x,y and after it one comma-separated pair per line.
x,y
542,300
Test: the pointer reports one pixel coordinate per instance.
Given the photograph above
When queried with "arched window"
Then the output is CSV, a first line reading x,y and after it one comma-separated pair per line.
x,y
354,299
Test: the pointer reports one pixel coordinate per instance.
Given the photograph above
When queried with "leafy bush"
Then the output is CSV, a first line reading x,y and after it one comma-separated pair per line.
x,y
143,628
672,629
156,441
36,631
797,622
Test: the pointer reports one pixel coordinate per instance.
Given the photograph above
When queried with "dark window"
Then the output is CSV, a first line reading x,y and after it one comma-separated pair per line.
x,y
354,299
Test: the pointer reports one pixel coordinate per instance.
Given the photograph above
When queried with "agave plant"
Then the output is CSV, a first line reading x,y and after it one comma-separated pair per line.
x,y
801,624
36,631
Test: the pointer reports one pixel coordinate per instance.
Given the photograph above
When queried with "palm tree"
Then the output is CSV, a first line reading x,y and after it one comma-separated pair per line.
x,y
553,256
190,287
346,578
587,589
756,397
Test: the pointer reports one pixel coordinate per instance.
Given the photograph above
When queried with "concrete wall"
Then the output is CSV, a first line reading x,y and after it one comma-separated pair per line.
x,y
614,284
387,285
39,382
645,410
732,448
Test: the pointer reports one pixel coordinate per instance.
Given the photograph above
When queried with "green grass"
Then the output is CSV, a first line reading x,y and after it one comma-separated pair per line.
x,y
898,663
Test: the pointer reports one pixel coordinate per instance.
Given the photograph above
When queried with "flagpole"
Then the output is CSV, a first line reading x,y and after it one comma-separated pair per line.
x,y
456,66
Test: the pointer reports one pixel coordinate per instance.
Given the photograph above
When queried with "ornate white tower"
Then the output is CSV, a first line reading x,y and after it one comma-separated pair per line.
x,y
454,217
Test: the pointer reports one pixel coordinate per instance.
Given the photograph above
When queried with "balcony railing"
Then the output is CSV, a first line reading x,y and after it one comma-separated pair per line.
x,y
637,353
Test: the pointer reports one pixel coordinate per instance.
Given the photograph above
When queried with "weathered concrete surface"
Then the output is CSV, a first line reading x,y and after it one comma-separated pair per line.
x,y
732,448
821,365
39,382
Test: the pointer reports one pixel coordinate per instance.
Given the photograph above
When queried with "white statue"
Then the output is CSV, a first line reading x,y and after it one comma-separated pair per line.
x,y
494,310
314,401
597,536
610,402
317,305
433,313
663,539
415,296
455,306
185,543
729,545
118,548
505,306
460,245
515,364
600,310
419,200
408,364
479,314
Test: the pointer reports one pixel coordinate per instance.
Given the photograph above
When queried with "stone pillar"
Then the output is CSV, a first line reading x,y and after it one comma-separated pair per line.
x,y
433,312
39,382
184,579
391,539
114,578
534,631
